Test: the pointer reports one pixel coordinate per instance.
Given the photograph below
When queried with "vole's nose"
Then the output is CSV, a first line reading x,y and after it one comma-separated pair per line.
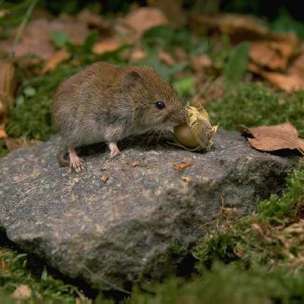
x,y
179,117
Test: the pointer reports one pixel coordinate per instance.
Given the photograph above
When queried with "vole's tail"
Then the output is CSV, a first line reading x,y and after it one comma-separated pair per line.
x,y
62,159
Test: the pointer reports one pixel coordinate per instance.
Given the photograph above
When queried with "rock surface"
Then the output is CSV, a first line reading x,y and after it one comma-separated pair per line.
x,y
132,217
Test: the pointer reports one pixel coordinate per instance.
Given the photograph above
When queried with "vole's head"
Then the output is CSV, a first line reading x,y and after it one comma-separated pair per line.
x,y
156,103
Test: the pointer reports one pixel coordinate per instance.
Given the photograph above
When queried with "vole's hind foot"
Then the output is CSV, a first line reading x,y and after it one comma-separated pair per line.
x,y
76,163
114,150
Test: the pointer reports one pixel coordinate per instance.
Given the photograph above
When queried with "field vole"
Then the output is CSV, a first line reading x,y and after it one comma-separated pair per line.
x,y
106,103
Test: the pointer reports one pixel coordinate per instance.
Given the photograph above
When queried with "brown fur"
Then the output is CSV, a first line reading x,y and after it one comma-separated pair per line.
x,y
106,103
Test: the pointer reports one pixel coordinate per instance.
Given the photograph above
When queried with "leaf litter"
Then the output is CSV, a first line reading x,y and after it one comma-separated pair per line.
x,y
275,138
8,84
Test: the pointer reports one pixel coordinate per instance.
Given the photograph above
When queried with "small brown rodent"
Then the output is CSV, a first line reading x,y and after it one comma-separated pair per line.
x,y
106,103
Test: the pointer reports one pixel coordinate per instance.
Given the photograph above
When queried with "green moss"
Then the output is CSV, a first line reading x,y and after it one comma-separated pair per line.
x,y
14,272
31,117
229,284
252,104
285,207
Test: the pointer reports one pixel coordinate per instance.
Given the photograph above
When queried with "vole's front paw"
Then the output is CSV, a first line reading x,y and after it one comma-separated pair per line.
x,y
77,165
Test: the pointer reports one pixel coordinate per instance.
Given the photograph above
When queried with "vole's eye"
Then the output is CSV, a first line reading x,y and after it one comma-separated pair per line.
x,y
160,104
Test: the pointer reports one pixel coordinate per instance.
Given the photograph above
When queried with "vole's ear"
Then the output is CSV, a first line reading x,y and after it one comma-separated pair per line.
x,y
132,79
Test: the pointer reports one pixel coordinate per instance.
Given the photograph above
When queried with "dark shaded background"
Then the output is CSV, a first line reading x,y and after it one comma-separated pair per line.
x,y
262,8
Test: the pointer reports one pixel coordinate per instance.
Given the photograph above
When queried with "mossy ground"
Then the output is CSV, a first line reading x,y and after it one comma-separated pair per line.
x,y
257,259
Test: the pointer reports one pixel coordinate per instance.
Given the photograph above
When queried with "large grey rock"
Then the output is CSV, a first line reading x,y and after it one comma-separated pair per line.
x,y
138,223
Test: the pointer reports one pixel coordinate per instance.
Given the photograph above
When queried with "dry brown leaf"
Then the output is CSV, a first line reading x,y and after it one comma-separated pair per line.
x,y
104,178
274,53
143,19
180,54
286,82
297,67
265,54
8,84
22,292
239,27
3,133
137,54
166,58
288,43
77,31
36,40
200,62
83,300
55,60
94,20
182,166
274,138
4,267
172,9
106,45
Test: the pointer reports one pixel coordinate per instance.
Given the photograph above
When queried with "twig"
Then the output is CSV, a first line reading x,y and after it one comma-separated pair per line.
x,y
21,27
111,285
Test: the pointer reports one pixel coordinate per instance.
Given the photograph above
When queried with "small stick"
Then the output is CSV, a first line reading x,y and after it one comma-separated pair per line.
x,y
21,27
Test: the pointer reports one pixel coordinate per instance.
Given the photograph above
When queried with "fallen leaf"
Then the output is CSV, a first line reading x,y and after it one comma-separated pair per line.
x,y
94,20
293,79
143,19
137,54
83,300
286,82
104,178
182,166
265,54
36,40
166,58
8,85
77,31
180,54
3,134
200,62
297,66
275,53
106,46
4,267
22,292
239,27
173,10
274,138
55,60
258,229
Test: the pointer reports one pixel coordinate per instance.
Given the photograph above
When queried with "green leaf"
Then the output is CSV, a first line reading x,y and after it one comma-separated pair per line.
x,y
90,41
60,39
236,66
44,275
185,87
29,91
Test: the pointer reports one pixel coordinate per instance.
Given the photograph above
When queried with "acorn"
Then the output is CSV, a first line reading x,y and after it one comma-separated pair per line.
x,y
197,134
